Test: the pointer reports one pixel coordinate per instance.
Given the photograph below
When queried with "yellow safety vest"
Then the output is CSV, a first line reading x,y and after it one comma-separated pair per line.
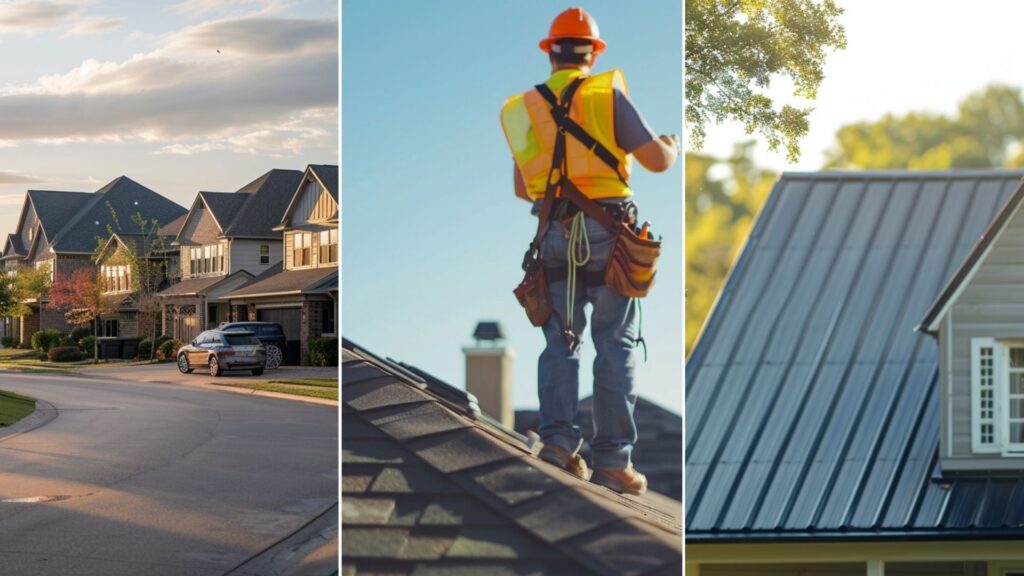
x,y
530,131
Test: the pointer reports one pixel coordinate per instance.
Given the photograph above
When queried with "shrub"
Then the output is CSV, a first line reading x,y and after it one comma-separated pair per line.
x,y
46,339
145,347
169,349
160,341
25,346
86,344
66,340
9,342
323,351
81,332
64,354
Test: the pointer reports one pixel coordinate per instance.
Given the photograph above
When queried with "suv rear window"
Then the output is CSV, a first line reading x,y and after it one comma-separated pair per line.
x,y
240,339
269,330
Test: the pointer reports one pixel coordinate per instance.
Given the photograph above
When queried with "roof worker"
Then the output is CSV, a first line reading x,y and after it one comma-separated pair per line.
x,y
573,139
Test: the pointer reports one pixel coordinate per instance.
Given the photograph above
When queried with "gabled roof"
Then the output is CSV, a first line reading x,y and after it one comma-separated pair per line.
x,y
277,282
138,244
659,449
811,402
431,484
267,197
54,209
202,285
170,229
224,206
963,274
13,247
325,174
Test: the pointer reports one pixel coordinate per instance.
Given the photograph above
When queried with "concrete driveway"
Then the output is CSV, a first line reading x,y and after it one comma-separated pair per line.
x,y
140,478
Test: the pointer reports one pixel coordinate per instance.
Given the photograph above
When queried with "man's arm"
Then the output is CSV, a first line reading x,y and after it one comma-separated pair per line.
x,y
659,154
519,183
632,134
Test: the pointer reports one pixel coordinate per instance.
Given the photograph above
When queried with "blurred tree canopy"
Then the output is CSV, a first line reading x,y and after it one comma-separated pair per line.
x,y
722,198
987,131
735,48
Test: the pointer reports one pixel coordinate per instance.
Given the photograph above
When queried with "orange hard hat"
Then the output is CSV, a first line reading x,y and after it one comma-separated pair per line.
x,y
574,23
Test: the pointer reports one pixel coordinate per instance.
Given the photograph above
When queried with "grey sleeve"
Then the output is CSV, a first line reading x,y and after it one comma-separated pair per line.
x,y
631,130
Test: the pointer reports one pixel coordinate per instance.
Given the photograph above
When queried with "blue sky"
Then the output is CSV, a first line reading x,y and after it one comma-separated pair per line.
x,y
93,89
433,235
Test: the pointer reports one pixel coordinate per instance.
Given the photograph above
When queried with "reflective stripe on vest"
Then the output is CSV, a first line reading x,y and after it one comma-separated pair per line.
x,y
530,131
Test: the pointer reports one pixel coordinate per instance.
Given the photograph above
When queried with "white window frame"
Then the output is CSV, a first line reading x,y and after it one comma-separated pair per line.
x,y
990,397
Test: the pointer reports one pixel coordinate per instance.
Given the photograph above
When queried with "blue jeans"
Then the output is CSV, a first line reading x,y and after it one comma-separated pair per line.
x,y
613,328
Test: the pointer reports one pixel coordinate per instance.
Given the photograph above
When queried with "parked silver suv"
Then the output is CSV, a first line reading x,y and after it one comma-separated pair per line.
x,y
222,351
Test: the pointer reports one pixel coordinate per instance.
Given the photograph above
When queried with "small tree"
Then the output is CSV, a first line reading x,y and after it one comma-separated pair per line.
x,y
30,283
80,295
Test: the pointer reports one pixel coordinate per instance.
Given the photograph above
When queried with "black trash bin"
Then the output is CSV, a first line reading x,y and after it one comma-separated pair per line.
x,y
109,348
130,349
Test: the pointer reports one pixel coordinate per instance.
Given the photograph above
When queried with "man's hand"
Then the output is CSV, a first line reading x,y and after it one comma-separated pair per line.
x,y
659,154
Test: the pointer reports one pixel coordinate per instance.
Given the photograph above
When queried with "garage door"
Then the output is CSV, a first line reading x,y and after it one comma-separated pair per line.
x,y
289,318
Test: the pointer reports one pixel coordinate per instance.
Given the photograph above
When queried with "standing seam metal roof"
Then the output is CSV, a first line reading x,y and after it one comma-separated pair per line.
x,y
812,408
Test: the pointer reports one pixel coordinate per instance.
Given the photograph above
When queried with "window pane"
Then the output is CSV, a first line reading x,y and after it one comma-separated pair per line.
x,y
1016,383
1017,432
1016,357
1017,408
240,339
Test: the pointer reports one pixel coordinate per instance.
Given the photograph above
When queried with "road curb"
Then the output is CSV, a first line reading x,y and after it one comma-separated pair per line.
x,y
43,415
232,389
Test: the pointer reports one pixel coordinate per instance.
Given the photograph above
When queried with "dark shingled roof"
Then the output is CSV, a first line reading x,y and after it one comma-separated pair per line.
x,y
195,286
224,206
812,407
275,281
124,196
266,199
328,176
429,485
55,209
17,247
659,448
170,229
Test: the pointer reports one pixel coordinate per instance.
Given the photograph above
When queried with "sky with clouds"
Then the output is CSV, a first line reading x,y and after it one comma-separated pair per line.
x,y
180,96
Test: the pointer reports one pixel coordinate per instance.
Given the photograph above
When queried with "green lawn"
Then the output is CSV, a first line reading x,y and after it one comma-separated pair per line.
x,y
14,407
313,387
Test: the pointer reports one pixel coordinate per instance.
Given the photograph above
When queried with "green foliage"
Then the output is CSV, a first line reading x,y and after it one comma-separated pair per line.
x,y
46,339
64,354
168,350
79,333
736,49
988,126
145,349
28,284
719,214
9,342
323,351
87,344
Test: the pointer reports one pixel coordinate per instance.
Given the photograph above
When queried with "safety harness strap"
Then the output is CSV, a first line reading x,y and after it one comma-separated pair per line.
x,y
561,116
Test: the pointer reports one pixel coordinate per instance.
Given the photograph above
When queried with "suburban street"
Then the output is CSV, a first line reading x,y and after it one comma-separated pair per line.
x,y
132,478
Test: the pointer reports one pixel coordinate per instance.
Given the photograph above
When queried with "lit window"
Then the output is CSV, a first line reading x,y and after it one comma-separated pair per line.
x,y
329,246
264,254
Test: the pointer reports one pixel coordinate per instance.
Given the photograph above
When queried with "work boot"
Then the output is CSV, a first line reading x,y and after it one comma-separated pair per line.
x,y
622,480
571,462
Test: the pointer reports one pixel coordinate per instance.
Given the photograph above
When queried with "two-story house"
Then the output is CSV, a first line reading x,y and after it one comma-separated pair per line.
x,y
225,241
301,291
855,401
132,268
60,230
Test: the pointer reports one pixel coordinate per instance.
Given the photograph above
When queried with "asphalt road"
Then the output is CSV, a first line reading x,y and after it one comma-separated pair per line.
x,y
140,478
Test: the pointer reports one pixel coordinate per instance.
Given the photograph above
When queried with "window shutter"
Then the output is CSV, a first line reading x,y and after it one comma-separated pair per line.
x,y
984,413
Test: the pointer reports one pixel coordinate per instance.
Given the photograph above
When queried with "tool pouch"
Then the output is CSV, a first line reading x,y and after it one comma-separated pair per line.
x,y
632,264
533,294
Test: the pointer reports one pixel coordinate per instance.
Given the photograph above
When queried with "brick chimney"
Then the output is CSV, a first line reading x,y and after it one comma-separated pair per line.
x,y
489,372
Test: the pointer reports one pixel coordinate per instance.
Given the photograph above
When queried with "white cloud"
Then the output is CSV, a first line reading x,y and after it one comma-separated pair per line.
x,y
32,16
196,8
269,89
11,177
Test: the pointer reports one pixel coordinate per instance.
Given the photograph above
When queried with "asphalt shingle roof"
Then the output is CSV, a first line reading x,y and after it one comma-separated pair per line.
x,y
224,206
266,200
276,281
83,223
171,229
193,286
811,401
659,449
16,244
55,209
328,175
431,486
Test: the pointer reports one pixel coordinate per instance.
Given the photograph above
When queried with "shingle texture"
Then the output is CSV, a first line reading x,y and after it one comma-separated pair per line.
x,y
811,402
431,487
659,449
122,197
193,286
266,199
55,209
277,281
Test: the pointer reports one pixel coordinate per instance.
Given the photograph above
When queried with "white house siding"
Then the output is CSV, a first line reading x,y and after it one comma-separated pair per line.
x,y
990,306
245,255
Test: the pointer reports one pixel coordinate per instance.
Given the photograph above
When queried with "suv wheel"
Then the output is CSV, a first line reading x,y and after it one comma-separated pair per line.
x,y
183,366
274,357
215,369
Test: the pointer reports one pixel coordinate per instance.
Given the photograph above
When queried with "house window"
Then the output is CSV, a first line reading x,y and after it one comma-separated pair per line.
x,y
302,249
108,328
264,254
997,396
220,257
329,246
327,314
